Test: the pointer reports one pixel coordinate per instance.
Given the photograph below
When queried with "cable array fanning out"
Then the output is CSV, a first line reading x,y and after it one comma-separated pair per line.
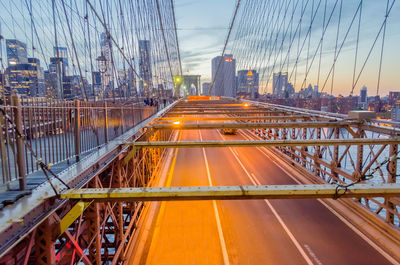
x,y
332,45
132,46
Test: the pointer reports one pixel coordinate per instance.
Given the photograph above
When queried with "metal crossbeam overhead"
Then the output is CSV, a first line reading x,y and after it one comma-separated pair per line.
x,y
294,117
210,105
249,143
196,126
232,192
223,109
246,112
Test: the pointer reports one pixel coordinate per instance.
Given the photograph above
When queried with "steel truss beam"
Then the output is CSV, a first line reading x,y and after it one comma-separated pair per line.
x,y
72,215
291,117
233,192
194,104
269,125
247,143
240,107
223,112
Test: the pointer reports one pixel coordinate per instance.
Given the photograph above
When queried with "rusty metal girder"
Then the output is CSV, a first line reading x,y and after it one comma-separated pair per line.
x,y
248,143
233,192
24,216
197,126
222,112
72,215
291,117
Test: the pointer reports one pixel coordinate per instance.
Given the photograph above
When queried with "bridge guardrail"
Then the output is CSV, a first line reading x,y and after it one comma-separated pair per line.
x,y
58,131
343,164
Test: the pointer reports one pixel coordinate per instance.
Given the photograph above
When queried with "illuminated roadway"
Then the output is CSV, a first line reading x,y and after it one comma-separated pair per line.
x,y
247,232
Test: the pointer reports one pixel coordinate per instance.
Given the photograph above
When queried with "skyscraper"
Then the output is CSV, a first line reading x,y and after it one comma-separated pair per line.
x,y
23,78
39,86
206,87
106,51
248,82
363,98
62,54
96,83
145,84
225,79
279,83
16,52
21,74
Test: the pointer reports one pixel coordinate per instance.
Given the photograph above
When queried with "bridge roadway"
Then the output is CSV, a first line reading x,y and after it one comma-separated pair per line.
x,y
248,232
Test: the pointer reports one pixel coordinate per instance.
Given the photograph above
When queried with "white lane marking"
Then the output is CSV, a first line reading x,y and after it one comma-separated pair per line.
x,y
350,225
219,226
312,254
358,232
235,152
255,181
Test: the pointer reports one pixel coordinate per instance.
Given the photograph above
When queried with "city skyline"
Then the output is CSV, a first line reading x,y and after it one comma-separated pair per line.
x,y
18,60
201,36
199,44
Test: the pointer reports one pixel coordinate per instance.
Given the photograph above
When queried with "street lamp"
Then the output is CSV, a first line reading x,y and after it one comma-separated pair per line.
x,y
177,84
102,65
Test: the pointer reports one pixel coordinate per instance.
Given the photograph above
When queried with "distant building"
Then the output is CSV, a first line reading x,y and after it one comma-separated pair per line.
x,y
23,74
122,83
280,81
363,98
50,83
57,72
225,79
289,90
79,86
96,85
315,92
74,87
146,81
55,77
394,98
248,83
62,54
16,52
106,51
3,88
308,92
132,85
40,89
23,78
68,87
396,114
375,104
242,82
205,88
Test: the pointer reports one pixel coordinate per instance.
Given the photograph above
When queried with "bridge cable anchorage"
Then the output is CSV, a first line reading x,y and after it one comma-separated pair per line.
x,y
45,167
364,177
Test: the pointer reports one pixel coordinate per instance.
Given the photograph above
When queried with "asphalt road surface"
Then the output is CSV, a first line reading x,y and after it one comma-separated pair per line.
x,y
253,231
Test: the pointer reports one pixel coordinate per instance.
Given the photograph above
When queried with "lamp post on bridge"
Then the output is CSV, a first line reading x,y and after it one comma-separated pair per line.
x,y
177,84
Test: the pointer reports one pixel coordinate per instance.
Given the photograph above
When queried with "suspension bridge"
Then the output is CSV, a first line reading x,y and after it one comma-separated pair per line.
x,y
108,158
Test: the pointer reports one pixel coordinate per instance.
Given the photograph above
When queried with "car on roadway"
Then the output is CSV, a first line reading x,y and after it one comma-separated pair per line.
x,y
231,131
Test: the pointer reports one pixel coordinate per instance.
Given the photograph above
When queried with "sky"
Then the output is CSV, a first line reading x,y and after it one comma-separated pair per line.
x,y
203,27
202,31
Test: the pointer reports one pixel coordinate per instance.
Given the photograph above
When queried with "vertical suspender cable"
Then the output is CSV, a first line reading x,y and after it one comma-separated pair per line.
x,y
383,44
223,50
